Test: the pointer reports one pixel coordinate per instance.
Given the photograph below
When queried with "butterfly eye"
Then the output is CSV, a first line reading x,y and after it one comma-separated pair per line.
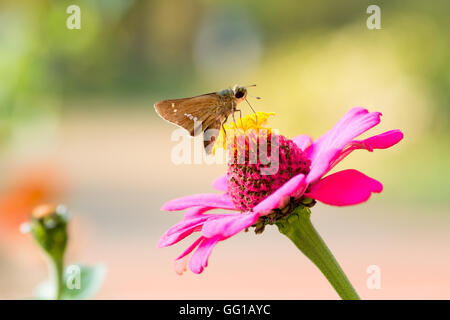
x,y
239,94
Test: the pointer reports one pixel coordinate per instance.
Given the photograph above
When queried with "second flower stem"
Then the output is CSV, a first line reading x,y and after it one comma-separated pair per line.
x,y
57,276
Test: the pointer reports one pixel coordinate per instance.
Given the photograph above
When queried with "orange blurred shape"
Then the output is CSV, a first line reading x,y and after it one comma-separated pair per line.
x,y
43,210
28,189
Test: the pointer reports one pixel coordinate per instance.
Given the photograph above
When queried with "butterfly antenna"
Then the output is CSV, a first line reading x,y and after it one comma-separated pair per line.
x,y
252,85
256,116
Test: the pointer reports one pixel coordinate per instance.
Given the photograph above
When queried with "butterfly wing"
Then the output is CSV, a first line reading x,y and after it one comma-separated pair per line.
x,y
193,114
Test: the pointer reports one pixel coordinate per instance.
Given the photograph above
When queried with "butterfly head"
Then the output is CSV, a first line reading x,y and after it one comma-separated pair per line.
x,y
239,92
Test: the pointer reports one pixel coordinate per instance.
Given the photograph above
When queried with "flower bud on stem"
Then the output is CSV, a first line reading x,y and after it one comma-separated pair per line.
x,y
49,229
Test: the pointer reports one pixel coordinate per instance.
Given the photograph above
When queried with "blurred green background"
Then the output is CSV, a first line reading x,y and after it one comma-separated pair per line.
x,y
77,123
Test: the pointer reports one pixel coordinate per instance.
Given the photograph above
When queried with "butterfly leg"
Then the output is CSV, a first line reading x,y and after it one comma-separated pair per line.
x,y
223,128
240,117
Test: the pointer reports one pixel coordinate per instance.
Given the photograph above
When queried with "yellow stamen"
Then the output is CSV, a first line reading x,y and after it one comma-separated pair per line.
x,y
253,122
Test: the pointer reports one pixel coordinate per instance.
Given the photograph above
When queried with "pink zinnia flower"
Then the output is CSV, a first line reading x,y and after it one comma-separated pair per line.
x,y
259,199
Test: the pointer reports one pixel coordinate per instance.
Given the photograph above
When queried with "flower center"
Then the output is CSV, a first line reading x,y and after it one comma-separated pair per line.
x,y
261,162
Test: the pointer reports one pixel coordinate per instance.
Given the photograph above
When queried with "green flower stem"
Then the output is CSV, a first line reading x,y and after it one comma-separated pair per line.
x,y
57,275
298,227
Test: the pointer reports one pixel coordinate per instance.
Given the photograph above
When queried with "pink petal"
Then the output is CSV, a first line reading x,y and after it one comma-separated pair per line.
x,y
168,240
180,265
326,148
181,230
382,141
293,188
199,259
221,183
190,248
196,212
222,201
302,141
344,188
228,225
